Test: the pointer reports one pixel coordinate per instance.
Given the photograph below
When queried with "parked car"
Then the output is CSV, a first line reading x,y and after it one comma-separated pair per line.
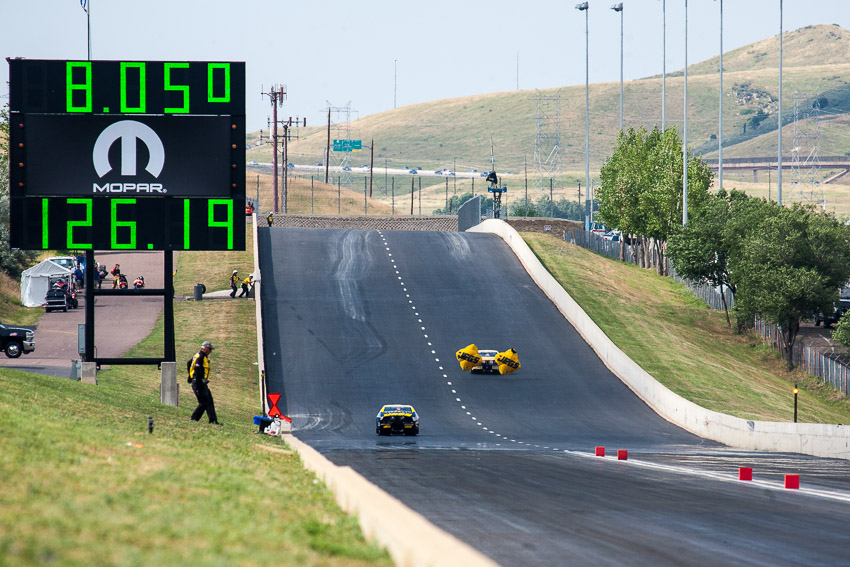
x,y
66,262
448,172
412,172
290,166
346,168
838,309
364,167
15,341
253,163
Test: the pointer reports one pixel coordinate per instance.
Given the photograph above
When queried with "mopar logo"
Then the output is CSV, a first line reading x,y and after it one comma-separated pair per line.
x,y
129,132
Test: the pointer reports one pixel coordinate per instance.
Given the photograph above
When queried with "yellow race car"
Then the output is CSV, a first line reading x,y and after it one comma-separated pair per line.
x,y
397,418
488,363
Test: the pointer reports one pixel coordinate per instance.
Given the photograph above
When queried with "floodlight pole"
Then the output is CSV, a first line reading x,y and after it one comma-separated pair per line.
x,y
584,8
685,142
720,105
619,8
663,65
779,164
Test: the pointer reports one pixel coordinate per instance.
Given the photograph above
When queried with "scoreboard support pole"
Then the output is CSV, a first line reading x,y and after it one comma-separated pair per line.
x,y
167,292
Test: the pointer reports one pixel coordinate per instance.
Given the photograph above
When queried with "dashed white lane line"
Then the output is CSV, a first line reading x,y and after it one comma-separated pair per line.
x,y
422,328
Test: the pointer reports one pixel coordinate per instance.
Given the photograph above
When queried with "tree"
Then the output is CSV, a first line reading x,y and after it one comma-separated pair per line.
x,y
642,186
700,250
789,264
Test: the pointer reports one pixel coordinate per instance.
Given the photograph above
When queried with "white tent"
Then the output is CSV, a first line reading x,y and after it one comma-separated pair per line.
x,y
34,282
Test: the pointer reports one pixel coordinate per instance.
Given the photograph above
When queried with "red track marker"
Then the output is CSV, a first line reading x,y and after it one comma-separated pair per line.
x,y
622,455
273,411
600,451
745,473
792,481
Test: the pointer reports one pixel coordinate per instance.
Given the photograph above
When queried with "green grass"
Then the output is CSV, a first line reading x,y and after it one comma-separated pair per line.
x,y
683,344
85,484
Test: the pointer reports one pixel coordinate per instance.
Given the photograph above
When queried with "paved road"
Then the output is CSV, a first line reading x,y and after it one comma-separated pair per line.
x,y
115,331
356,319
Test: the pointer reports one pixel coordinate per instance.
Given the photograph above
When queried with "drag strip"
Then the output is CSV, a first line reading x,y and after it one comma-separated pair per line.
x,y
356,319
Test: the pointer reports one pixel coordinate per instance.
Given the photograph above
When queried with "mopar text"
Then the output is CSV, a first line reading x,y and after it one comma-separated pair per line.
x,y
128,188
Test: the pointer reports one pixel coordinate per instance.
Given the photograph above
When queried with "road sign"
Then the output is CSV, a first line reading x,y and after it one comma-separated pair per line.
x,y
348,145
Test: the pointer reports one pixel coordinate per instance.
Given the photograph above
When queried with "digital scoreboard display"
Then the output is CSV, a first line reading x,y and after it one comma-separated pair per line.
x,y
118,155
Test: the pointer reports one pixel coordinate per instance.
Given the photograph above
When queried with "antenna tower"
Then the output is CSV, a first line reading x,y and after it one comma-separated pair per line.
x,y
340,129
547,142
805,153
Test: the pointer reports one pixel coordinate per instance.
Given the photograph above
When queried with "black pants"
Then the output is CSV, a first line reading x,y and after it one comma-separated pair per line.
x,y
244,290
205,402
233,287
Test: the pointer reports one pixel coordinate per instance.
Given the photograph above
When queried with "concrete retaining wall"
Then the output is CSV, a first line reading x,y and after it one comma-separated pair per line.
x,y
411,540
820,440
469,213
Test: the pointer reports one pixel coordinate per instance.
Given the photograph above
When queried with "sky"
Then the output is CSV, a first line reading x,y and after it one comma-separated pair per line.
x,y
379,54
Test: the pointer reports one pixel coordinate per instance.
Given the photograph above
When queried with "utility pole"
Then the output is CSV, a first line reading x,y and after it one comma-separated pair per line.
x,y
287,124
328,146
276,95
371,165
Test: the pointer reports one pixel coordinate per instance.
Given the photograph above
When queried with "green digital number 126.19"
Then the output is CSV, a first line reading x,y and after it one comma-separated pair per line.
x,y
134,224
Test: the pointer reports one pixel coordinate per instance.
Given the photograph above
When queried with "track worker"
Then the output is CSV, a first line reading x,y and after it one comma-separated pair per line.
x,y
234,282
249,281
270,218
199,369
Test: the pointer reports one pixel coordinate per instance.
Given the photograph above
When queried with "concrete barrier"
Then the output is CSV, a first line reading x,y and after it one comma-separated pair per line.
x,y
821,440
410,539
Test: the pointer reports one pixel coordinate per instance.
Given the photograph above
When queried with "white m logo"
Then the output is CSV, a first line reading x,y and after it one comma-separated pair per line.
x,y
128,131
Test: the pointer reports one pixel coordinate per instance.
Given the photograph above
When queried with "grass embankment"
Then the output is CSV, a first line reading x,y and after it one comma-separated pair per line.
x,y
687,347
86,484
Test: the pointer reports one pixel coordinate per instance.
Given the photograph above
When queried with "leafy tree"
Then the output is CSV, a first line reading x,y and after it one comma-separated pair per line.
x,y
641,191
12,262
789,264
700,250
841,332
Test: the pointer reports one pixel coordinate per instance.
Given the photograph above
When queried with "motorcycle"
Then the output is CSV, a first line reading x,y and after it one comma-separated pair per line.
x,y
122,281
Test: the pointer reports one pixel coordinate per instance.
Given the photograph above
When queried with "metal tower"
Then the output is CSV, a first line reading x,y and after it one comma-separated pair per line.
x,y
547,142
805,152
339,128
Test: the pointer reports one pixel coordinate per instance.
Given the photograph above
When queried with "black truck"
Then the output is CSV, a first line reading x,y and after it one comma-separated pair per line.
x,y
16,341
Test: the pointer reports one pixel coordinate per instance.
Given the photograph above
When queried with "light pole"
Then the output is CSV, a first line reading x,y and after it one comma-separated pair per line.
x,y
779,166
584,8
663,65
619,8
720,104
685,127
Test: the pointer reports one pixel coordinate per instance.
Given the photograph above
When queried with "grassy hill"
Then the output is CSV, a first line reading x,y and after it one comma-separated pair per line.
x,y
456,132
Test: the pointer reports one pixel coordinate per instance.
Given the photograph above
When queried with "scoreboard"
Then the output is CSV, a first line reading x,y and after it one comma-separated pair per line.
x,y
127,155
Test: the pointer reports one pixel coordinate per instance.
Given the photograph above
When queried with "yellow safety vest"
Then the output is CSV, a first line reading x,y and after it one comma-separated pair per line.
x,y
206,365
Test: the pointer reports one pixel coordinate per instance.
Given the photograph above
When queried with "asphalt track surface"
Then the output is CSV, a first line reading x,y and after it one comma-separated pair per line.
x,y
356,319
